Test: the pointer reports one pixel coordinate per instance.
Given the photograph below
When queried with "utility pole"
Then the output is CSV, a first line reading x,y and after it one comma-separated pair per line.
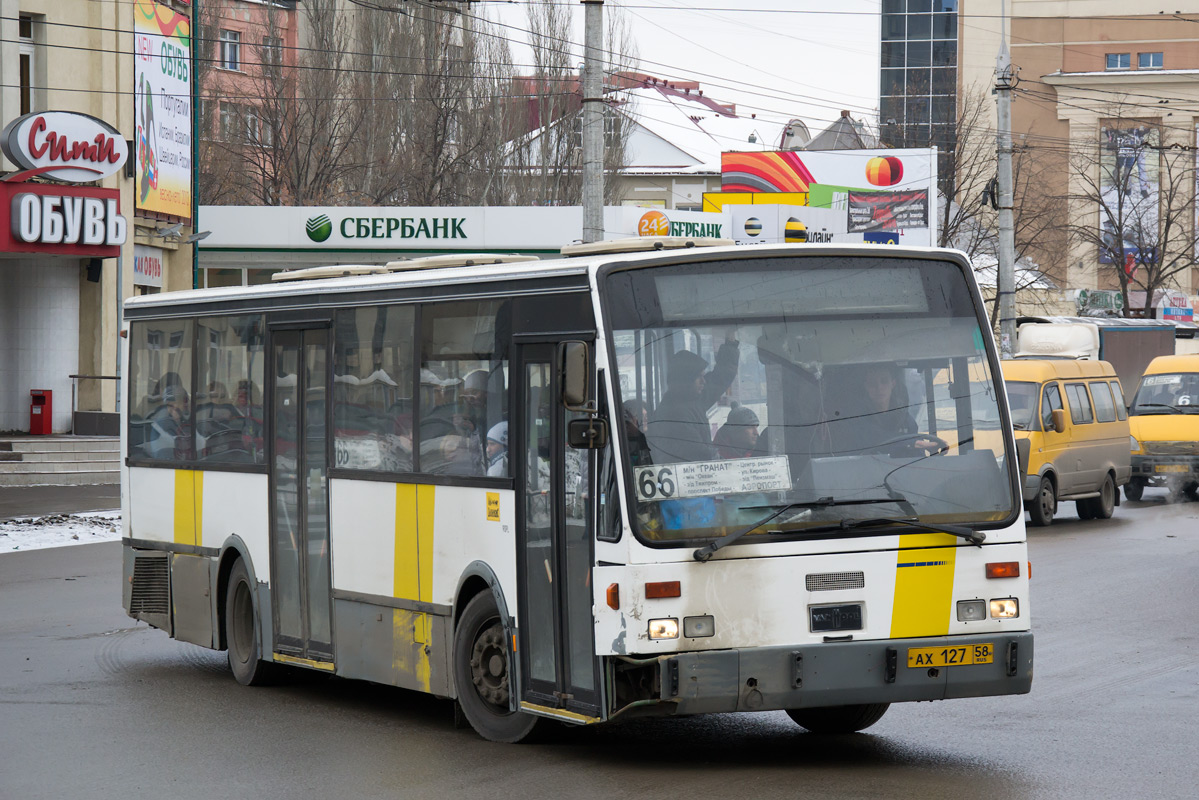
x,y
1006,288
593,121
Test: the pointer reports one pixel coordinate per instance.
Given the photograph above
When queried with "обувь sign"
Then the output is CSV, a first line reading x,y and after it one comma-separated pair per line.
x,y
64,146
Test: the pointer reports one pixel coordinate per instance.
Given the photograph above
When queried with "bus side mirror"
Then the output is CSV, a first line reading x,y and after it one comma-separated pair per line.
x,y
1059,420
589,433
575,360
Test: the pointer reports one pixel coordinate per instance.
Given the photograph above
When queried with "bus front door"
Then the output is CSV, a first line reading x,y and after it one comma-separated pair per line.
x,y
559,670
300,564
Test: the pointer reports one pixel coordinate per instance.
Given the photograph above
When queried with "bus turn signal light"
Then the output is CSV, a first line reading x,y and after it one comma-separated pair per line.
x,y
660,589
613,595
1003,569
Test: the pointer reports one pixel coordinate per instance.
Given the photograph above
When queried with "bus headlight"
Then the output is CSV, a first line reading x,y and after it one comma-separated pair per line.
x,y
1133,445
1005,608
971,610
664,628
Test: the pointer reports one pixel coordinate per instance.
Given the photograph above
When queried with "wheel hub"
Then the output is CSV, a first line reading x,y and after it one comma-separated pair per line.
x,y
489,666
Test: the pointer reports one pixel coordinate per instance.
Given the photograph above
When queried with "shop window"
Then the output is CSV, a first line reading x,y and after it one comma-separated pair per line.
x,y
228,397
1119,60
372,388
230,50
463,389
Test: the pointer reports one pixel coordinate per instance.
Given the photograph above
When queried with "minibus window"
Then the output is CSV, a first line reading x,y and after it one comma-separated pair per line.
x,y
1105,409
1052,402
1121,403
1080,404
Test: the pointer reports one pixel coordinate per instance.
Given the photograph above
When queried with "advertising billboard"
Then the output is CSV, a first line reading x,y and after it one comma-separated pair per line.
x,y
1129,192
162,109
881,192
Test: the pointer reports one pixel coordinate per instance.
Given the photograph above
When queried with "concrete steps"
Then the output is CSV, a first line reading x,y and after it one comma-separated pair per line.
x,y
60,460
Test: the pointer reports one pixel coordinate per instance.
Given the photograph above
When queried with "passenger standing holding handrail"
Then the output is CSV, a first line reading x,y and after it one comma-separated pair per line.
x,y
679,429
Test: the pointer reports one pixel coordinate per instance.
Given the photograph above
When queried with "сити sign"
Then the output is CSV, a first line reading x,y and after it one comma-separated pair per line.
x,y
64,146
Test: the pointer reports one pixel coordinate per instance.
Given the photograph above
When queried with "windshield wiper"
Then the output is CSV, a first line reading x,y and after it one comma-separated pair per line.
x,y
704,553
1140,406
973,536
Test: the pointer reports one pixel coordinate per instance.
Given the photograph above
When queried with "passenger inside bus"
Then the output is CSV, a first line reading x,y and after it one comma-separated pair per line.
x,y
884,421
738,436
678,428
636,421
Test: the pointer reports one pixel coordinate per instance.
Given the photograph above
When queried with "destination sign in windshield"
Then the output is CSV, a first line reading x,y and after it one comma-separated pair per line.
x,y
710,478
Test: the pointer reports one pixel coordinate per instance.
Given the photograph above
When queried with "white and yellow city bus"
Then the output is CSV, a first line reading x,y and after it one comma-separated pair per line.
x,y
703,479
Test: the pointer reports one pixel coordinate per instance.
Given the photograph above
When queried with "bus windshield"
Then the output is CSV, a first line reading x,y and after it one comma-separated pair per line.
x,y
1022,398
839,389
1170,393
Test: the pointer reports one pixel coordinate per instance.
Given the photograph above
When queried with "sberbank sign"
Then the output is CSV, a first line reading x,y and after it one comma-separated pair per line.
x,y
696,229
387,228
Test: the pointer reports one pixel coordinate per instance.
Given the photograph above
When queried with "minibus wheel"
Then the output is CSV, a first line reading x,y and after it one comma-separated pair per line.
x,y
1104,505
1043,506
838,719
483,673
1135,489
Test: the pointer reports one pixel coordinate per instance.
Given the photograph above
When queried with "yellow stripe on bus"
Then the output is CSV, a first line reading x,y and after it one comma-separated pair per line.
x,y
923,586
189,506
407,572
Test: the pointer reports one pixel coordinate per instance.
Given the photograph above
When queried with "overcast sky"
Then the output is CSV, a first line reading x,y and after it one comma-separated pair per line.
x,y
778,58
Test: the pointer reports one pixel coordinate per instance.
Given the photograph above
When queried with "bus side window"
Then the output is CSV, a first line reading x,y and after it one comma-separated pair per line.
x,y
372,388
160,417
228,398
464,388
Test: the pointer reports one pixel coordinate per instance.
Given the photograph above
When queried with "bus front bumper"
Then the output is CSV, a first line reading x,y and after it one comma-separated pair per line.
x,y
841,673
1164,467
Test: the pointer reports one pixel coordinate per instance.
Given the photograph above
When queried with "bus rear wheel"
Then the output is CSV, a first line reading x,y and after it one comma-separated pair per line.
x,y
241,631
838,719
1134,490
482,674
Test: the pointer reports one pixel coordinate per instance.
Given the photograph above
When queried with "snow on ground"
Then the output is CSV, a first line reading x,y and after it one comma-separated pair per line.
x,y
56,530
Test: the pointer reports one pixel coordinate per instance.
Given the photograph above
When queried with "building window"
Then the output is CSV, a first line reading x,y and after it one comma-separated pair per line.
x,y
25,28
1149,60
272,51
1119,60
231,50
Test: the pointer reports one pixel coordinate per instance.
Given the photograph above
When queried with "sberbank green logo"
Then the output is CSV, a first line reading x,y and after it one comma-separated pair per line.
x,y
319,228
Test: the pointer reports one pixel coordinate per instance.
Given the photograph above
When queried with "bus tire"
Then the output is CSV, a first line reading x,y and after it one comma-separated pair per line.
x,y
241,631
1086,508
838,719
1043,506
1134,490
1103,506
482,673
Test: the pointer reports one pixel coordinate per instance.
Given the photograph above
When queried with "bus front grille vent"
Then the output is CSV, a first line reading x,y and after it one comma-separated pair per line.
x,y
831,581
151,585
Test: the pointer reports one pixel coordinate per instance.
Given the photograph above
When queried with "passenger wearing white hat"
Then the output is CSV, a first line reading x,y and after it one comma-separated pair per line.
x,y
497,450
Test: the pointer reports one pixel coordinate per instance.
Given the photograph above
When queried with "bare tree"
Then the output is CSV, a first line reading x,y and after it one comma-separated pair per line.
x,y
1132,203
966,207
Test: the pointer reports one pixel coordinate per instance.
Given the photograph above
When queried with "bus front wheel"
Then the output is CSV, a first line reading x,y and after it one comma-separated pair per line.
x,y
482,674
241,630
838,719
1134,490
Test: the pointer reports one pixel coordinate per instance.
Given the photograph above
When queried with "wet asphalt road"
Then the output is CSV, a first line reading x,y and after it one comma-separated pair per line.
x,y
95,706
